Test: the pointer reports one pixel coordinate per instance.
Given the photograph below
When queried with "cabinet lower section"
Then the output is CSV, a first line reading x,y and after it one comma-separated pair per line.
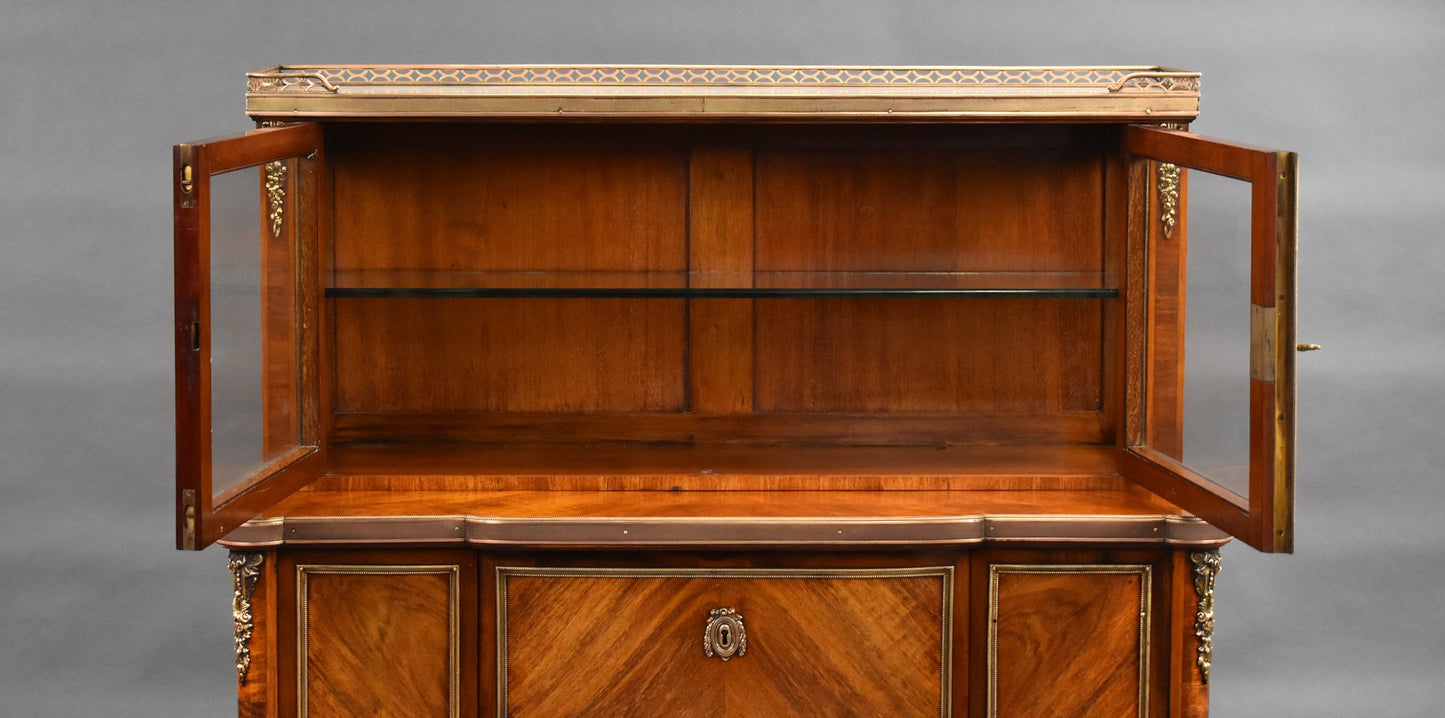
x,y
464,633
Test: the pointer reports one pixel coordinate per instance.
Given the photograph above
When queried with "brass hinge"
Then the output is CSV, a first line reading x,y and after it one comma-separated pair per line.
x,y
1262,341
187,177
188,498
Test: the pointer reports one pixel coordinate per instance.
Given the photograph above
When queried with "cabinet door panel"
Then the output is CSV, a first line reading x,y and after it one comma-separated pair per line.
x,y
379,640
246,227
1224,449
1068,640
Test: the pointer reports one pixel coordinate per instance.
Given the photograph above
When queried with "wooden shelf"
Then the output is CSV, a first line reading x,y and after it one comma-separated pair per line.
x,y
714,519
642,466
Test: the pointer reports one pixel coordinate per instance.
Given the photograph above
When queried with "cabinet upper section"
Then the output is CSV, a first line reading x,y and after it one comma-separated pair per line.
x,y
633,92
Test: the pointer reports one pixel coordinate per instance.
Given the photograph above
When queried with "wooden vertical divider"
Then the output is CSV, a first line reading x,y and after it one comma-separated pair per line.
x,y
720,255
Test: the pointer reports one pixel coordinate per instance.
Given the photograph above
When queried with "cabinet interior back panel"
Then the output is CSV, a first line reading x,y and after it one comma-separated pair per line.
x,y
509,355
493,199
949,209
1006,356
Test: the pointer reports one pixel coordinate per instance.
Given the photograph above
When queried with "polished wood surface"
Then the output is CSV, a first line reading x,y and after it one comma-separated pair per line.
x,y
1068,640
632,645
448,197
726,467
381,634
258,695
936,209
378,645
1189,697
997,356
399,356
1122,501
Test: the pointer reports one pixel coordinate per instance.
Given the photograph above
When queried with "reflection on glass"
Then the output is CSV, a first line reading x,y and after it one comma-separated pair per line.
x,y
1217,330
254,405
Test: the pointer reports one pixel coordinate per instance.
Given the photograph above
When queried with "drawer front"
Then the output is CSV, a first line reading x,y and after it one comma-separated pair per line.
x,y
598,641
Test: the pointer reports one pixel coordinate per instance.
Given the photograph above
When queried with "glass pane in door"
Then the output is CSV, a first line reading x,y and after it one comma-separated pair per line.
x,y
1199,408
255,390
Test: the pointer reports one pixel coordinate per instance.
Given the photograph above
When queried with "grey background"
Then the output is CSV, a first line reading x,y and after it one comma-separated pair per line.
x,y
99,616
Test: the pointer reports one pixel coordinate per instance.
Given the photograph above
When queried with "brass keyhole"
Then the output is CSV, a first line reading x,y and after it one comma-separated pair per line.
x,y
724,636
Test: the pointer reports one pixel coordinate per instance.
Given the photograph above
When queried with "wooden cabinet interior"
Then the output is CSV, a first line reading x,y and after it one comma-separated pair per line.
x,y
885,368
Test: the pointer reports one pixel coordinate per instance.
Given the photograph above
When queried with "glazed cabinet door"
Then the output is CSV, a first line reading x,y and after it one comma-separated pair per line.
x,y
1210,330
247,221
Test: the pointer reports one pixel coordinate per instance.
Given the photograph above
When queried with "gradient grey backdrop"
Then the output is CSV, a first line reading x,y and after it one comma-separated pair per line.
x,y
99,616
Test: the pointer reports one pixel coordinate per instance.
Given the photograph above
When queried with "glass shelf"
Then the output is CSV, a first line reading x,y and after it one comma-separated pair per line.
x,y
739,285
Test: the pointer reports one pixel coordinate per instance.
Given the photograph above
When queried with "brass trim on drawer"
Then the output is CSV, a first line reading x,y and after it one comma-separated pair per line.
x,y
1145,573
454,605
943,573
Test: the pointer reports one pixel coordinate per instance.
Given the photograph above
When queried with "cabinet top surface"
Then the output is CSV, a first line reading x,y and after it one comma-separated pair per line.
x,y
751,93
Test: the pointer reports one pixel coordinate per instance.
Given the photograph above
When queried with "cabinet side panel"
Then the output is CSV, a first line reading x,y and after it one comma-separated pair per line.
x,y
1068,640
633,645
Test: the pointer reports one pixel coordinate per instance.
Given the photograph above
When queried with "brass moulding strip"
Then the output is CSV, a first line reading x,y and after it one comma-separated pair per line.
x,y
1145,573
452,573
943,573
245,572
743,531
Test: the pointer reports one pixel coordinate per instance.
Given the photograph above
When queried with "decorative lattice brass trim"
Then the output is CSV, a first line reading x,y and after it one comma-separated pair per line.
x,y
245,572
1145,573
1206,567
454,605
332,78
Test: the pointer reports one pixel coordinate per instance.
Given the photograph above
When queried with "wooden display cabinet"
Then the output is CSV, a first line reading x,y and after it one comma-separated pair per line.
x,y
556,391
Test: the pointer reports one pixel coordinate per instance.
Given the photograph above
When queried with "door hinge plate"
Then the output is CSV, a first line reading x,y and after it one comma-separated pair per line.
x,y
1262,333
186,179
188,499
